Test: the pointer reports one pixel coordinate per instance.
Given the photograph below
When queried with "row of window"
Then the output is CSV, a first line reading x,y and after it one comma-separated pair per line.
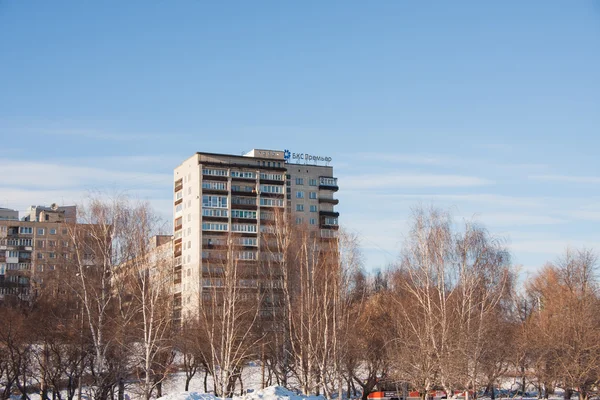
x,y
215,212
243,214
311,195
243,228
312,207
16,253
214,185
311,182
272,177
214,201
271,189
271,202
16,242
300,220
28,230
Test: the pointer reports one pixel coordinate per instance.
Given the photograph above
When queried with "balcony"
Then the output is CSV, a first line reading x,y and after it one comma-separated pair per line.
x,y
328,183
333,214
328,200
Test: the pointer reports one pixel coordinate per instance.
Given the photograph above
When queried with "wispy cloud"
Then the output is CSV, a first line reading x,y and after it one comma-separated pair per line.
x,y
485,198
517,219
566,178
99,134
395,181
51,175
416,159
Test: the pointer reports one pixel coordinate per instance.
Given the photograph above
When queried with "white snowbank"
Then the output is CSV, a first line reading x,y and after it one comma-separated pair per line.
x,y
189,396
270,393
276,393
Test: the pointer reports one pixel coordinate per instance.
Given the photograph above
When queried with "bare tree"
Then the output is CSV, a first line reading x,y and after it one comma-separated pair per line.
x,y
567,319
229,312
451,282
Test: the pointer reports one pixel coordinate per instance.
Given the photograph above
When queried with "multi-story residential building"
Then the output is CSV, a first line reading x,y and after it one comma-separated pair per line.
x,y
220,196
33,247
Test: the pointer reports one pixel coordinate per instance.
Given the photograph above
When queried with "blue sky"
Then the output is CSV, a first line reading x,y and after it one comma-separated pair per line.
x,y
490,109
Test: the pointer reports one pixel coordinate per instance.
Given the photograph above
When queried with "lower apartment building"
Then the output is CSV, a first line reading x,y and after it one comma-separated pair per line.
x,y
32,248
224,208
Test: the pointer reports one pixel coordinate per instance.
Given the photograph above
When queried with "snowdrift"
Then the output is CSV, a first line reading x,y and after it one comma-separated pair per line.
x,y
270,393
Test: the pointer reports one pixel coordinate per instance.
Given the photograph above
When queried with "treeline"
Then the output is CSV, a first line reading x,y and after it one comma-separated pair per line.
x,y
449,314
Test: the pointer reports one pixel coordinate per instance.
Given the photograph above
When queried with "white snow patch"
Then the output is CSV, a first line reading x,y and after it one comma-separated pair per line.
x,y
276,393
189,396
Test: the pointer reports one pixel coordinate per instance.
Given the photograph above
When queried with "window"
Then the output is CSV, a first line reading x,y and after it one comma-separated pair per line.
x,y
243,228
298,220
214,185
179,207
271,177
53,231
246,255
13,253
243,174
331,221
51,243
28,230
271,189
299,181
312,195
244,200
299,195
214,226
313,221
214,212
313,208
325,181
243,188
64,231
52,255
299,207
271,202
214,172
179,195
312,182
243,214
214,201
40,256
244,241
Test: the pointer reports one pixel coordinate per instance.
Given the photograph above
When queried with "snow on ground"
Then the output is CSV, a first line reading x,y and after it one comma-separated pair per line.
x,y
275,393
269,393
189,396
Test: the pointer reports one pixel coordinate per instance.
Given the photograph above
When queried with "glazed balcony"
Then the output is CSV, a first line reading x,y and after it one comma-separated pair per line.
x,y
328,183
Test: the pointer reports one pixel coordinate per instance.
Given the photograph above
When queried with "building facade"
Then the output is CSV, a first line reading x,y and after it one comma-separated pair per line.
x,y
219,198
32,248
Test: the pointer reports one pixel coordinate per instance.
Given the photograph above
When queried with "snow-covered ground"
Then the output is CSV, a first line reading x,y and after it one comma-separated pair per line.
x,y
269,393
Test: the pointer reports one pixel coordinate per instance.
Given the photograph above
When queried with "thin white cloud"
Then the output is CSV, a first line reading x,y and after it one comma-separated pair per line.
x,y
551,246
517,219
396,181
566,178
50,175
485,198
416,159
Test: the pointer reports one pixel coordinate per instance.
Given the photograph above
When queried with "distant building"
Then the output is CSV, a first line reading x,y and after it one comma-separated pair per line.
x,y
33,247
220,195
54,213
8,214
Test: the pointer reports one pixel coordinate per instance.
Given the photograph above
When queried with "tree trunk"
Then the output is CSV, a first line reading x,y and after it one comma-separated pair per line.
x,y
121,395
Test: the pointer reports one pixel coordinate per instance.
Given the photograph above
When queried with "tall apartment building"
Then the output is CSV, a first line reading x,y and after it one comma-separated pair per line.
x,y
32,247
220,195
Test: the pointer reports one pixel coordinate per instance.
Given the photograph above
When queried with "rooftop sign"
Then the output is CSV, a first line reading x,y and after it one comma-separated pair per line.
x,y
304,157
